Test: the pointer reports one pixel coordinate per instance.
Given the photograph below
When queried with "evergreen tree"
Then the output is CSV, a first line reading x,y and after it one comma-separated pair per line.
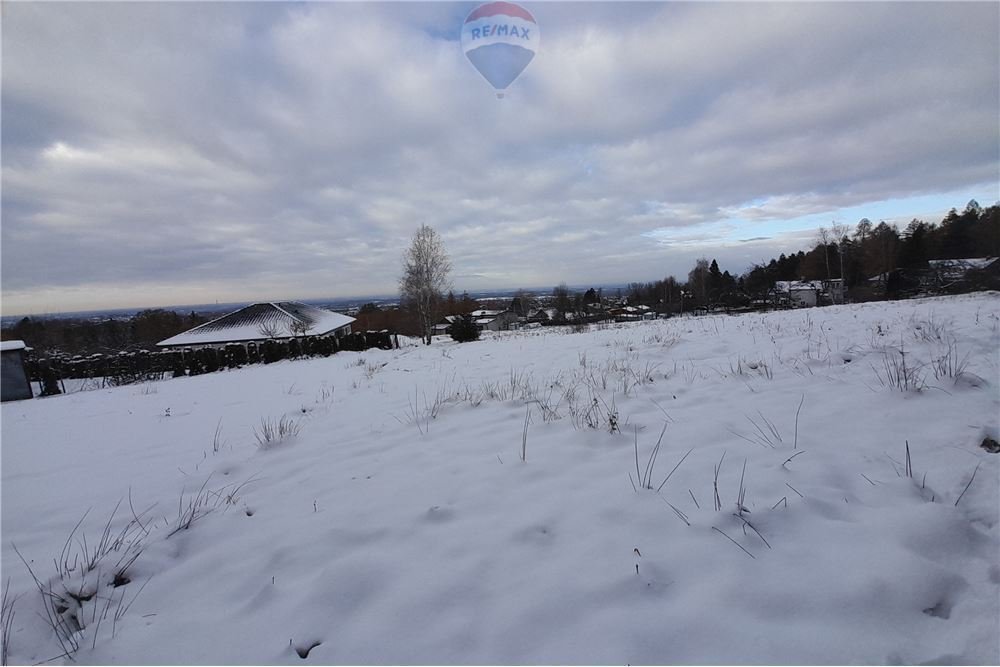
x,y
913,253
463,330
715,284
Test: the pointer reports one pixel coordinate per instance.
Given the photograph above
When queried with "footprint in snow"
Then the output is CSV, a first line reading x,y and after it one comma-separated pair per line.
x,y
302,650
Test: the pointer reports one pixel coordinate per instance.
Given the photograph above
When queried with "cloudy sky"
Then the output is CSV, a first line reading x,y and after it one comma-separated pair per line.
x,y
158,154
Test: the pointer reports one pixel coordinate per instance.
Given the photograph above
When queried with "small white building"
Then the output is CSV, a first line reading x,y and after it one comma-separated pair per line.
x,y
493,320
800,293
833,289
14,382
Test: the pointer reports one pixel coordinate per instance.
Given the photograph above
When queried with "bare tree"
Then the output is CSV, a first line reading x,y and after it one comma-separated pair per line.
x,y
269,329
698,280
561,300
825,239
840,235
299,328
425,278
522,302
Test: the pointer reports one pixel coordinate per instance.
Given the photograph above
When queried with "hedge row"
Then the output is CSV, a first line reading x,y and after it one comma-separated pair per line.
x,y
131,367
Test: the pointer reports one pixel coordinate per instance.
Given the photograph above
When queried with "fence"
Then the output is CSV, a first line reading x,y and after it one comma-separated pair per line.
x,y
141,366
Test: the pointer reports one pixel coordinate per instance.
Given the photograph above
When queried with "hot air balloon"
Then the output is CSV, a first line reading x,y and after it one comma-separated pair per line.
x,y
500,39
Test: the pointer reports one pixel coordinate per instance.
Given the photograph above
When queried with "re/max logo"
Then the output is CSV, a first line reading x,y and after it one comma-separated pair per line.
x,y
499,30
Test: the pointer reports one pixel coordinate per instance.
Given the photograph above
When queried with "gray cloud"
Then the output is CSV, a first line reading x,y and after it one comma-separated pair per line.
x,y
164,153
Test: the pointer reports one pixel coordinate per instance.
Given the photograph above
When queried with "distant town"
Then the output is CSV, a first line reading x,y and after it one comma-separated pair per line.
x,y
867,263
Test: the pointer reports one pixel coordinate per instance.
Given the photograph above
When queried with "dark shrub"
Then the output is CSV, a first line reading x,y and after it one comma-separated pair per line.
x,y
269,352
464,330
236,356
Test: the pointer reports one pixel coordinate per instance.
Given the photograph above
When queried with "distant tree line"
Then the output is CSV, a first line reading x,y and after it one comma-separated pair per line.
x,y
855,255
870,249
77,336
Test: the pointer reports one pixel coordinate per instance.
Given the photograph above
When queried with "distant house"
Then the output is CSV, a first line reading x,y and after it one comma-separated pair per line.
x,y
14,382
950,272
521,306
541,315
903,282
941,275
878,280
799,293
442,326
259,322
493,320
833,289
625,313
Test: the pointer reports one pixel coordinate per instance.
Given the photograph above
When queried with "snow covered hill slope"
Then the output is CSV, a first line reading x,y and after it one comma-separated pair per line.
x,y
819,494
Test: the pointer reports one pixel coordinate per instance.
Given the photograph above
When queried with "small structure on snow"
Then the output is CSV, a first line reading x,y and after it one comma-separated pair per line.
x,y
800,293
493,320
14,382
949,272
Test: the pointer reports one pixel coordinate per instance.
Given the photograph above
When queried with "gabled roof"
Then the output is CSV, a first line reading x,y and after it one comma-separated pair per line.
x,y
797,285
967,264
955,269
260,321
447,321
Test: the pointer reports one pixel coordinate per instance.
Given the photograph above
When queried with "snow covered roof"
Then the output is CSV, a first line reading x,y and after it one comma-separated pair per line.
x,y
955,269
447,321
797,285
967,264
260,321
12,345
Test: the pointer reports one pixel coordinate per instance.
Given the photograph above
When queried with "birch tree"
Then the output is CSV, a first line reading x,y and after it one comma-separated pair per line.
x,y
426,268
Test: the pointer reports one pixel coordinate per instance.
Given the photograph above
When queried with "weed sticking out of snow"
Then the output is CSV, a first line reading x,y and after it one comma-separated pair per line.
x,y
217,442
82,593
898,373
272,432
6,621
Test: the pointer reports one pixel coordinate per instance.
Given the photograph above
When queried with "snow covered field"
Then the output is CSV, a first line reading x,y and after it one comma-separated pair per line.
x,y
803,507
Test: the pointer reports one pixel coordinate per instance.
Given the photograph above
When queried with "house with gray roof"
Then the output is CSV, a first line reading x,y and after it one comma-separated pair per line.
x,y
493,320
259,322
951,271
